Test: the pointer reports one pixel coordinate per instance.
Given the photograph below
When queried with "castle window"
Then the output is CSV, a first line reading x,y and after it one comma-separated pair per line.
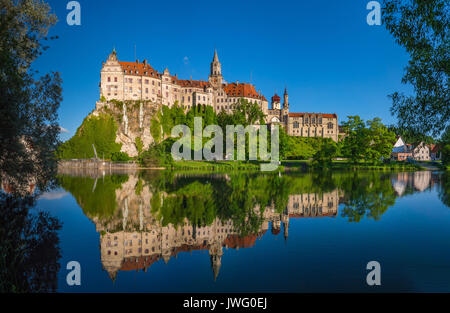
x,y
330,125
296,125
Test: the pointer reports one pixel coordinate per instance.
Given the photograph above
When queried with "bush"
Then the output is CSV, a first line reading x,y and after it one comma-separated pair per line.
x,y
158,154
119,157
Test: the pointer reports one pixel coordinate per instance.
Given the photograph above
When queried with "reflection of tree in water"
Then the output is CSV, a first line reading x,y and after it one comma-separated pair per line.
x,y
29,246
444,190
366,194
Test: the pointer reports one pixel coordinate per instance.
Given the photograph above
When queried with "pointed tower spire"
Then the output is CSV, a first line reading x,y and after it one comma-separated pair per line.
x,y
286,99
216,58
215,77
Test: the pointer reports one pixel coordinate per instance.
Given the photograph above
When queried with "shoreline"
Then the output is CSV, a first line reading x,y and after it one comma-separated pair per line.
x,y
230,166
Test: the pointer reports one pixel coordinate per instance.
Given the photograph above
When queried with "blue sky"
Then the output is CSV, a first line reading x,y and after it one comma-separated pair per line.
x,y
324,52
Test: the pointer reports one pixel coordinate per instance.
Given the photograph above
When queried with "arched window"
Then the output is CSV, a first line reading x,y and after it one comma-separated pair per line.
x,y
330,125
296,124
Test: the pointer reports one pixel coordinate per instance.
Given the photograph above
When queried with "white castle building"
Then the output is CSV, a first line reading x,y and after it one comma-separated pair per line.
x,y
140,81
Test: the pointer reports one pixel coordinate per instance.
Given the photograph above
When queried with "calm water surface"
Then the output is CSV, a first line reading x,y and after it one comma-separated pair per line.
x,y
167,232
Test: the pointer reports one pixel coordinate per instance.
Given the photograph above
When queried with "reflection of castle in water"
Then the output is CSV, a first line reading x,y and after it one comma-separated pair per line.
x,y
136,238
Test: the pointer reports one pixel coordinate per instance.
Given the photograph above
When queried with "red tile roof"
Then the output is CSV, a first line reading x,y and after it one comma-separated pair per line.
x,y
242,90
276,98
143,69
191,83
234,241
327,115
435,148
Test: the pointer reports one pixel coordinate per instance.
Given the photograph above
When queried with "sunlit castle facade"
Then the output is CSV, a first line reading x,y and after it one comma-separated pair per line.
x,y
140,81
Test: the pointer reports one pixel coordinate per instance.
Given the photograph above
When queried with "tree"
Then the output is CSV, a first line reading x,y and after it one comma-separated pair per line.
x,y
355,143
28,105
445,147
327,151
243,113
422,27
381,141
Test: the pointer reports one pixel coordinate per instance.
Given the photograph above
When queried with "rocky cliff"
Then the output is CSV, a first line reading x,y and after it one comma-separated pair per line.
x,y
134,119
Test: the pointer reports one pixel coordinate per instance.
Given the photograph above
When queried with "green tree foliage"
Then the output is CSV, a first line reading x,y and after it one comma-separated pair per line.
x,y
244,113
139,145
444,144
326,152
28,105
155,129
422,27
98,130
302,148
380,141
158,154
411,136
355,142
371,141
119,157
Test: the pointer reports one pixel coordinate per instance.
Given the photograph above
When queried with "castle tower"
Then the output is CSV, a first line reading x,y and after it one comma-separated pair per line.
x,y
285,112
286,99
113,55
285,219
111,79
276,102
215,77
215,253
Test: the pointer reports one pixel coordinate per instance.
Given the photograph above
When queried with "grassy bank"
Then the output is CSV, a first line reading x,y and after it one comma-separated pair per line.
x,y
347,165
217,166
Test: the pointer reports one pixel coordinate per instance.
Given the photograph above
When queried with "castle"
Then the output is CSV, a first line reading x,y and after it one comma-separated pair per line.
x,y
140,81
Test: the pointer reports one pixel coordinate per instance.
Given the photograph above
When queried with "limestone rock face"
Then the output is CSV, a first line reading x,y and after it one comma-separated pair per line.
x,y
133,119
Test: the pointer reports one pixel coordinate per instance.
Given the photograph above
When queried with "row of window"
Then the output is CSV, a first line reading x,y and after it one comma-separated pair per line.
x,y
297,124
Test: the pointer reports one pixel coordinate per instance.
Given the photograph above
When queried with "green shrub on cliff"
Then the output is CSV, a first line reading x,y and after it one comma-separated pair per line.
x,y
98,130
